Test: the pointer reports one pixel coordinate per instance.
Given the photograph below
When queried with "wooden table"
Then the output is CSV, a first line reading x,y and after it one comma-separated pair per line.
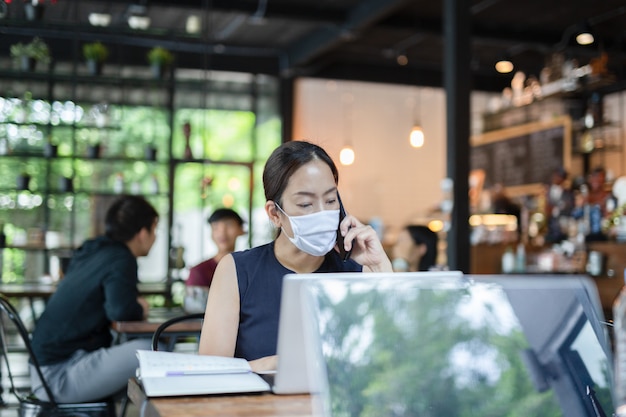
x,y
125,330
35,290
30,291
250,405
154,288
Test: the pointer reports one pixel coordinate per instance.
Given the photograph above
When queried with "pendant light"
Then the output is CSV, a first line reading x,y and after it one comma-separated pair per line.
x,y
416,137
346,155
504,65
584,35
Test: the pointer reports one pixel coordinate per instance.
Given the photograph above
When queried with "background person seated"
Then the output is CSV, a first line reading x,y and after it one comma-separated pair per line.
x,y
415,249
226,227
72,340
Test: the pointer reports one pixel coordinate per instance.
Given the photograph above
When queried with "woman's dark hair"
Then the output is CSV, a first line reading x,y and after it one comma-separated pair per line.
x,y
285,160
127,216
422,235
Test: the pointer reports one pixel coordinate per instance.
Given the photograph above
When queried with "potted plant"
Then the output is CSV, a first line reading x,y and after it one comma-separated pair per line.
x,y
95,54
27,55
159,59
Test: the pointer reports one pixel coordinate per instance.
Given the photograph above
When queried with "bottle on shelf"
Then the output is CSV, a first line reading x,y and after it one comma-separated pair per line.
x,y
118,183
508,261
187,133
520,258
154,184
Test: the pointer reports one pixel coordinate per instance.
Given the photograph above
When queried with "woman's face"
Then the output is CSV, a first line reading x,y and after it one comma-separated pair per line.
x,y
310,189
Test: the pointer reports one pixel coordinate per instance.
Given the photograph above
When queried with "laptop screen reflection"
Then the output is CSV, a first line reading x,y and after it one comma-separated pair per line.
x,y
411,347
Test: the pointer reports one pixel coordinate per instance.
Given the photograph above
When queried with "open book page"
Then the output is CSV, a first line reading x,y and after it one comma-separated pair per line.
x,y
162,363
173,374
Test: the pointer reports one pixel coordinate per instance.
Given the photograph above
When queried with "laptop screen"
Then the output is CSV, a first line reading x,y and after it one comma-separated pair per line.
x,y
292,376
404,345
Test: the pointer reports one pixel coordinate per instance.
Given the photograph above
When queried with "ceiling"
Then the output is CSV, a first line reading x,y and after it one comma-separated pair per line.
x,y
343,39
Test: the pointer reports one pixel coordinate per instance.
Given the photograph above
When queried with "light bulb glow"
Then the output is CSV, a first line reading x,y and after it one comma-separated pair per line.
x,y
99,19
234,184
584,38
504,66
346,156
417,137
139,22
228,200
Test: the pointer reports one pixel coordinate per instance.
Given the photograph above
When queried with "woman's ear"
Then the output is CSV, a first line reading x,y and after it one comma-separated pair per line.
x,y
272,213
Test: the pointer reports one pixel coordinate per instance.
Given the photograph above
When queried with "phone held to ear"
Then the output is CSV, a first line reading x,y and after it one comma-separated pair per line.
x,y
345,255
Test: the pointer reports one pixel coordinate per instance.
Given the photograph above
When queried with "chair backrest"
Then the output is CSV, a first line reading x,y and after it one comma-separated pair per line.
x,y
166,325
13,315
29,405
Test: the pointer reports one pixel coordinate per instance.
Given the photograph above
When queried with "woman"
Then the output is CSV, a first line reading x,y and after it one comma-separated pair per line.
x,y
415,249
300,182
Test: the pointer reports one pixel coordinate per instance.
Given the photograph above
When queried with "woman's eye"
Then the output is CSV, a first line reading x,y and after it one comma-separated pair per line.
x,y
331,202
304,205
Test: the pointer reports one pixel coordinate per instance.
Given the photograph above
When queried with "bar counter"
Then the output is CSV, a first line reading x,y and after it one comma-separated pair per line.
x,y
486,259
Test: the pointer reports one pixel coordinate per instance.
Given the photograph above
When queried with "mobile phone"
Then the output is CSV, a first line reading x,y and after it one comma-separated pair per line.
x,y
345,255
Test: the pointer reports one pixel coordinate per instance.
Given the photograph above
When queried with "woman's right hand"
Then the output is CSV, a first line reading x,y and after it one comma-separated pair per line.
x,y
366,247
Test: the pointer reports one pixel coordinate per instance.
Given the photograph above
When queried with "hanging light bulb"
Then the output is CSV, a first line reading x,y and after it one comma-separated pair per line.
x,y
416,138
346,155
584,35
585,38
504,65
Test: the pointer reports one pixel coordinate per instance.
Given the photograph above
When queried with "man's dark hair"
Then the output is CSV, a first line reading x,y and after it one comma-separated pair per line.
x,y
127,216
224,214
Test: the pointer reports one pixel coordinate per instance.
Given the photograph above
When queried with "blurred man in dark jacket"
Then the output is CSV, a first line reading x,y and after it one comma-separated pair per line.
x,y
72,338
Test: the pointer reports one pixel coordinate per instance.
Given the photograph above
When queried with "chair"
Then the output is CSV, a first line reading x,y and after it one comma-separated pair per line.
x,y
29,406
175,334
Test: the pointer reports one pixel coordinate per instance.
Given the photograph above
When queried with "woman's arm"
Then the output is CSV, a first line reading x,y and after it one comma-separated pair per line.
x,y
265,364
221,317
366,247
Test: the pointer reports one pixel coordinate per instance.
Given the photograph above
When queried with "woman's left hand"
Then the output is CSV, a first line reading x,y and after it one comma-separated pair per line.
x,y
264,364
366,248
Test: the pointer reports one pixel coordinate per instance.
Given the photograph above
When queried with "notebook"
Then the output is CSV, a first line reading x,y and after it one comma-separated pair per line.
x,y
165,374
406,345
292,375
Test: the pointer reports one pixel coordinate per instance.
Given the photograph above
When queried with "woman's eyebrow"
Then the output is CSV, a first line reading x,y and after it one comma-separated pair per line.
x,y
310,194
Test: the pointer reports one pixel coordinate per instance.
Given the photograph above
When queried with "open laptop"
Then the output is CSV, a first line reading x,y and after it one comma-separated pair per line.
x,y
292,375
473,346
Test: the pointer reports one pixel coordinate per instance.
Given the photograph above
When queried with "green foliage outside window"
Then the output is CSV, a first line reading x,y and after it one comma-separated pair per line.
x,y
124,133
215,134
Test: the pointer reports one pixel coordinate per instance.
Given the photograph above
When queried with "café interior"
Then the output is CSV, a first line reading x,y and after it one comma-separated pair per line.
x,y
503,95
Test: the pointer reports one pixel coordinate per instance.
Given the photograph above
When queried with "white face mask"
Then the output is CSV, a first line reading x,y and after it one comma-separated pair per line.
x,y
316,233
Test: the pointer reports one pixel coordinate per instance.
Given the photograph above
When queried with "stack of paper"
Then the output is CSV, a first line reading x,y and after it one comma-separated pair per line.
x,y
171,374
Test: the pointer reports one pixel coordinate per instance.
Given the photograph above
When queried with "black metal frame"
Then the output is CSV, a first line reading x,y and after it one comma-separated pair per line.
x,y
29,404
157,333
